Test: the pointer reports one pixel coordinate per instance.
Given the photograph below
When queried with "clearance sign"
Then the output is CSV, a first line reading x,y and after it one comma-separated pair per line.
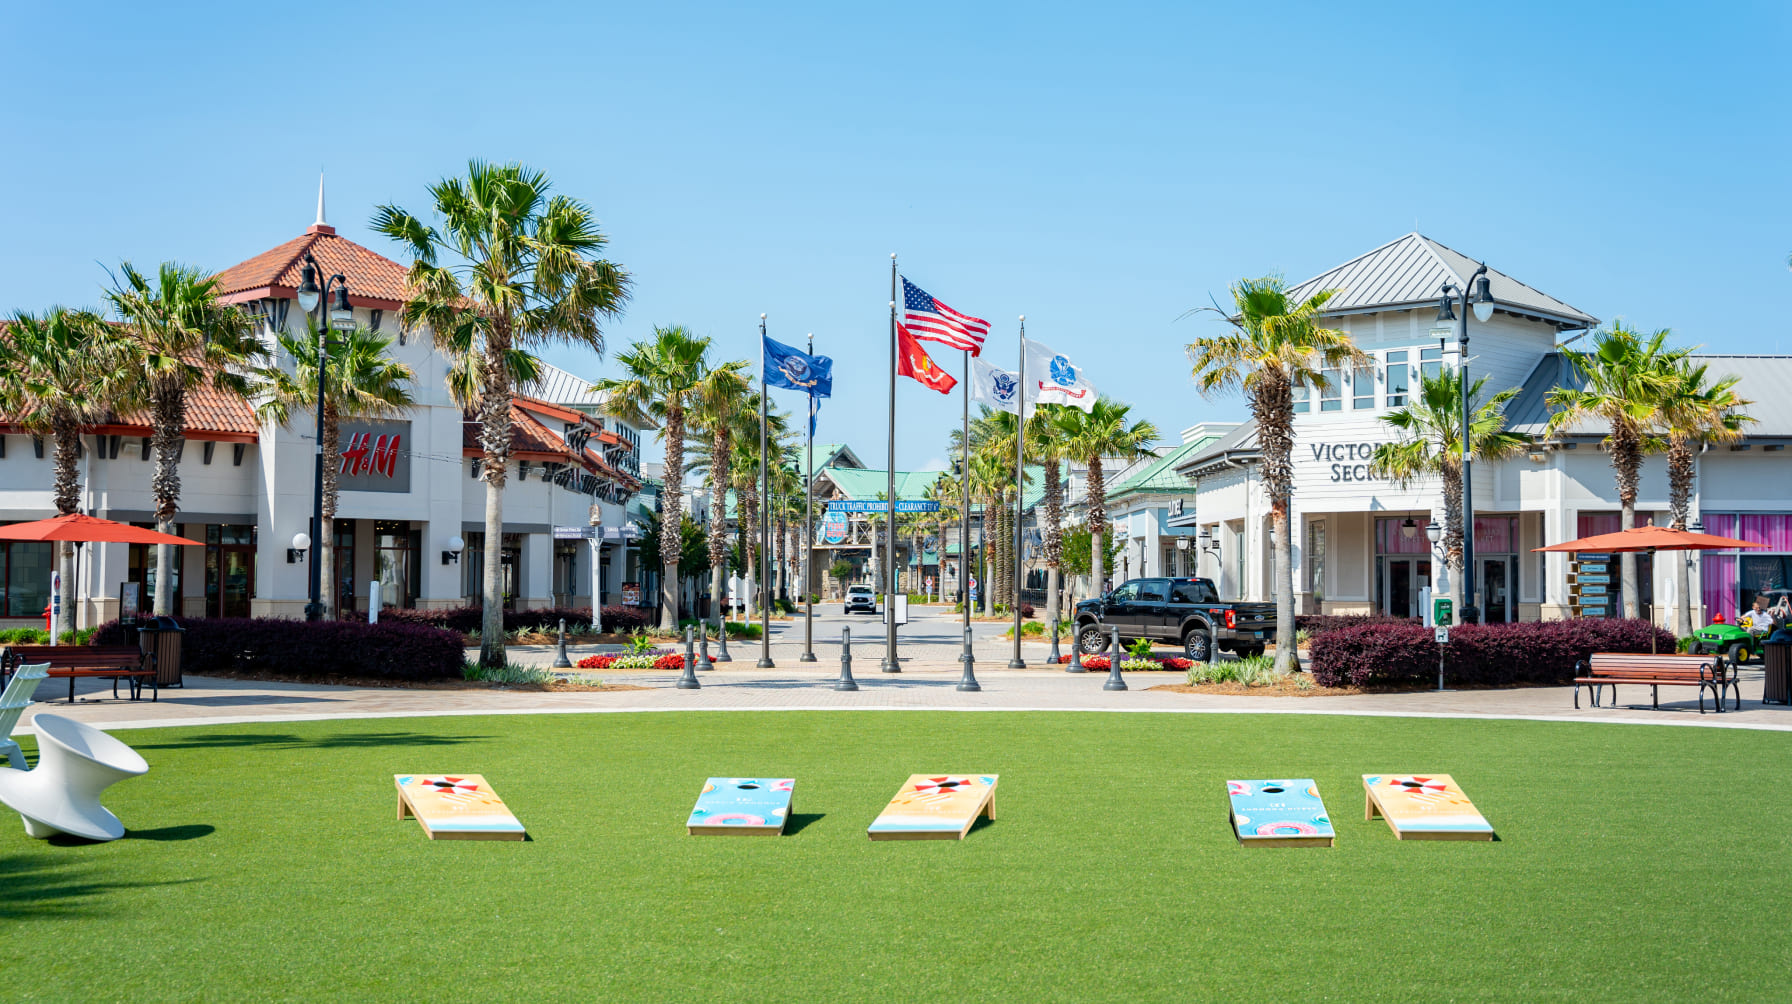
x,y
376,457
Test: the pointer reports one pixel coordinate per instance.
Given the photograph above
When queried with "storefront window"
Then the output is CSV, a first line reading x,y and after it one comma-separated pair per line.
x,y
343,558
27,577
1316,563
1301,396
229,569
397,564
1331,396
1397,379
1362,387
140,566
1431,362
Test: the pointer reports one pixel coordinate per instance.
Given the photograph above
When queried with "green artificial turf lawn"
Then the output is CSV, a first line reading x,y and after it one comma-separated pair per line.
x,y
265,862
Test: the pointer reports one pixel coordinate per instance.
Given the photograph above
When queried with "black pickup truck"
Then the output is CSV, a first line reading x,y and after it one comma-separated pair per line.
x,y
1186,611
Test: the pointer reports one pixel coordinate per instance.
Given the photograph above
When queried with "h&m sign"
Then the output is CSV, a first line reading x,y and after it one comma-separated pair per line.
x,y
375,457
1349,461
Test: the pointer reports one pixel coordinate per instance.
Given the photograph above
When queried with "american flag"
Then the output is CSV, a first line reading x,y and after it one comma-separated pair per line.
x,y
929,319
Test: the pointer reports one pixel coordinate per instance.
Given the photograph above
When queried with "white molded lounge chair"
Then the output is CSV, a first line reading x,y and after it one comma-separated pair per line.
x,y
75,762
13,704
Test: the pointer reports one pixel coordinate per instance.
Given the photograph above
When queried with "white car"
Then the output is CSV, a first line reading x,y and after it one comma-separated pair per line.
x,y
861,598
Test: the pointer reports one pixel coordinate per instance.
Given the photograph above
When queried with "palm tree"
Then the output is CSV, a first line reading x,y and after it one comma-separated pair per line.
x,y
1275,345
510,268
1430,428
1043,430
1694,411
60,372
1103,433
178,337
1626,376
665,376
361,381
719,407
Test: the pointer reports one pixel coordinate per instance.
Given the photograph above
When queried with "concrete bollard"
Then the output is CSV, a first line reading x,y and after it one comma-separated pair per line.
x,y
560,659
1115,681
688,681
846,682
968,682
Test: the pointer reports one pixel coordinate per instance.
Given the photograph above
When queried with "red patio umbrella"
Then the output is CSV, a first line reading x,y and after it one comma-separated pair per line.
x,y
79,528
1650,539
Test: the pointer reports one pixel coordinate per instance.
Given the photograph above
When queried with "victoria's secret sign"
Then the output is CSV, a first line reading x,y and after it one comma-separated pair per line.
x,y
1349,461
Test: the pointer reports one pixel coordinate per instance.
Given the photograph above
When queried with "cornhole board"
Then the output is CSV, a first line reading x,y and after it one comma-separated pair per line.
x,y
1423,807
936,807
456,807
742,805
1279,813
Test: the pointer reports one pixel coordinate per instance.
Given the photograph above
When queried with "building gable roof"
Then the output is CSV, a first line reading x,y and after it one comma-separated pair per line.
x,y
1410,271
1240,444
373,279
1763,382
1161,475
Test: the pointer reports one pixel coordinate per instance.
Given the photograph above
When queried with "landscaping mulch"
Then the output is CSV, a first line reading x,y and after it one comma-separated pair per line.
x,y
557,686
1278,689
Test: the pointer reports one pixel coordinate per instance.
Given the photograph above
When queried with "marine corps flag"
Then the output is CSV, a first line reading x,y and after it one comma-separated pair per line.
x,y
912,361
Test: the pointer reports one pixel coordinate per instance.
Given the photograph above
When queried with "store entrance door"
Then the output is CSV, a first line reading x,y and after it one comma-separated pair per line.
x,y
1495,590
1401,596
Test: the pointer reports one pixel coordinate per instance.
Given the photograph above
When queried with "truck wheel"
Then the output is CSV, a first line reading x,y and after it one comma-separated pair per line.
x,y
1737,653
1196,644
1091,639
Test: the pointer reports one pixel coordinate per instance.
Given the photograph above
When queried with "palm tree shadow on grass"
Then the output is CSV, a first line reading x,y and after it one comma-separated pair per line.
x,y
39,887
276,740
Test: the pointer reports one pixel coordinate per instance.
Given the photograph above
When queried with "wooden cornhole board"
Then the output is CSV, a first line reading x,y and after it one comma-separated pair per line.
x,y
1279,813
1423,807
936,807
742,805
456,807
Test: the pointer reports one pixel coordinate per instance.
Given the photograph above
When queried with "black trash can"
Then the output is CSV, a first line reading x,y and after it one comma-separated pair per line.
x,y
160,640
1777,657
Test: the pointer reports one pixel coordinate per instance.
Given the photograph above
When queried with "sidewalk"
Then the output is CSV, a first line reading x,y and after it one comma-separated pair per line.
x,y
920,686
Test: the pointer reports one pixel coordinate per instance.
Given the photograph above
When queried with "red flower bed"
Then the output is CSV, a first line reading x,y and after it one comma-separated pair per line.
x,y
666,660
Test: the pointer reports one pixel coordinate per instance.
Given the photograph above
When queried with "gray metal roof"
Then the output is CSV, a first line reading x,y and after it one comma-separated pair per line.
x,y
557,386
1412,270
1764,382
1240,442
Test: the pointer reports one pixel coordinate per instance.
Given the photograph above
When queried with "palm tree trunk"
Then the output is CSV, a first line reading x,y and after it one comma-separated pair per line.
x,y
1627,460
1680,475
1273,405
67,492
168,405
1284,556
1054,539
494,443
1098,525
719,461
672,519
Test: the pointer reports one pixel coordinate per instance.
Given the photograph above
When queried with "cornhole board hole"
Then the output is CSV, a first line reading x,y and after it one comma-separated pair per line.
x,y
456,807
1279,813
936,807
1423,807
742,805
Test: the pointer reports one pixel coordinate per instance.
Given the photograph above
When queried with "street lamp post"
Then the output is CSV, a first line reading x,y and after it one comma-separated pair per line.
x,y
312,299
1481,301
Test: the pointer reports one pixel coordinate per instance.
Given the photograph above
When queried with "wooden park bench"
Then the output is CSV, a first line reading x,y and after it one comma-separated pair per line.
x,y
1706,672
114,662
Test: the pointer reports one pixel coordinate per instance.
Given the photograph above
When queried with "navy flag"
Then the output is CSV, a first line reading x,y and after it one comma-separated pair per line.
x,y
794,369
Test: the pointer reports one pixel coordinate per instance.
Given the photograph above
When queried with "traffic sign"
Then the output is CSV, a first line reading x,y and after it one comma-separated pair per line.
x,y
578,532
1442,633
879,505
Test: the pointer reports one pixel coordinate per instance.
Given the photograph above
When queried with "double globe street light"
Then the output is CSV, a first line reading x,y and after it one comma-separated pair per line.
x,y
1481,302
342,316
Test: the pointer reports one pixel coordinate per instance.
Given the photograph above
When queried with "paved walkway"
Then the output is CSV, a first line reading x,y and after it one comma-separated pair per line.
x,y
921,685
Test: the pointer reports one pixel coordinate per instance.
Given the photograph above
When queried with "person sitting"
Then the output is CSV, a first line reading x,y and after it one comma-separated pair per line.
x,y
1758,621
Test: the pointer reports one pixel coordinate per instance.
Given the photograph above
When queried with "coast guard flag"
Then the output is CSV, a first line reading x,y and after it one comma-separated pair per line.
x,y
1053,379
794,369
912,361
999,389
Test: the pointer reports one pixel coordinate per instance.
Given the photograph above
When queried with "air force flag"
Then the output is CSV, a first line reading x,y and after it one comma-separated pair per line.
x,y
1053,379
999,389
794,369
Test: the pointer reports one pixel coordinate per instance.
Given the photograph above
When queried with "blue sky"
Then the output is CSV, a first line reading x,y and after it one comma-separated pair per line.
x,y
1099,168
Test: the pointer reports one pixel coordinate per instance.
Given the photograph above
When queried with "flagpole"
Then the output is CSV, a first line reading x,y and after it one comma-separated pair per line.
x,y
890,663
1020,483
809,531
765,510
964,510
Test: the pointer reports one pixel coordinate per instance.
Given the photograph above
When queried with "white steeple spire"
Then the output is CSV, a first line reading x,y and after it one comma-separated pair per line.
x,y
320,200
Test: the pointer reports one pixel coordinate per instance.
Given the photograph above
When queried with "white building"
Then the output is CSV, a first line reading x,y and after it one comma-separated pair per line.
x,y
1359,542
409,485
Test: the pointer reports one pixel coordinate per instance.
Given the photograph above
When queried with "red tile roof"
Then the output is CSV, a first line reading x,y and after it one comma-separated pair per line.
x,y
530,440
373,279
